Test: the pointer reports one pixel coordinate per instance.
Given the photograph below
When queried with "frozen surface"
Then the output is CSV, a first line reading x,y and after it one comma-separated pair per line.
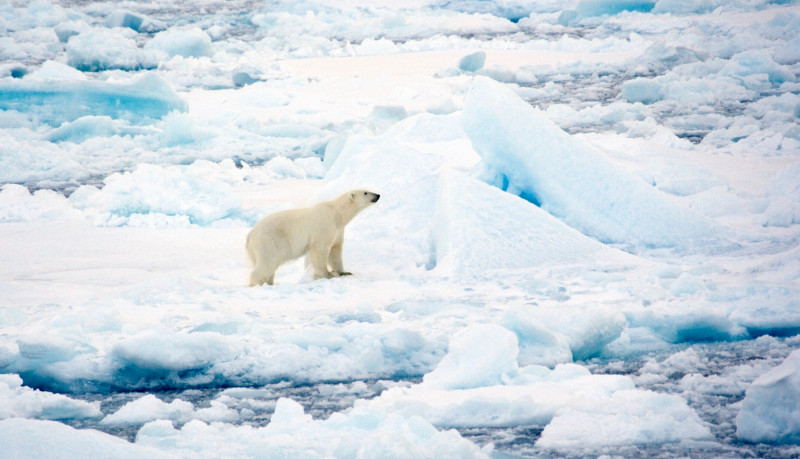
x,y
586,243
768,411
529,155
30,438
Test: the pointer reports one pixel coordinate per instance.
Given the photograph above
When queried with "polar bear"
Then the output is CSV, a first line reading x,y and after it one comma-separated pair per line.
x,y
317,231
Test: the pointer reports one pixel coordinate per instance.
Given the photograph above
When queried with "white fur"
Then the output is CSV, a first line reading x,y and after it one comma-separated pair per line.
x,y
317,231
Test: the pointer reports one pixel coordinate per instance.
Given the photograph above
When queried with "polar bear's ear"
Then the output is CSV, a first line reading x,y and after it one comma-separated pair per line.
x,y
352,196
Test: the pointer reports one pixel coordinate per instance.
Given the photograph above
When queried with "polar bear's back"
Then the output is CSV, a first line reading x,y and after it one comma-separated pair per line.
x,y
287,234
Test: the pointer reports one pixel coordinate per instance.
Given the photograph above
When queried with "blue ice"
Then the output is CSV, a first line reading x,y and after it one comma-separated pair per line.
x,y
56,102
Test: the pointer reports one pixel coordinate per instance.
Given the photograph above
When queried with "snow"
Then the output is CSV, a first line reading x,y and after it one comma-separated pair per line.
x,y
23,402
149,408
768,411
30,438
568,179
586,244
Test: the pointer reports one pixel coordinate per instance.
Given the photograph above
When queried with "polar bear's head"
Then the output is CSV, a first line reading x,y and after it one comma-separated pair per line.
x,y
363,198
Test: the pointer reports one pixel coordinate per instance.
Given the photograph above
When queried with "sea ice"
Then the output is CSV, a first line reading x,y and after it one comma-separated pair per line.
x,y
19,401
589,8
55,102
184,194
136,21
104,49
478,355
477,228
472,62
149,408
32,438
17,204
358,433
627,417
569,179
769,410
192,42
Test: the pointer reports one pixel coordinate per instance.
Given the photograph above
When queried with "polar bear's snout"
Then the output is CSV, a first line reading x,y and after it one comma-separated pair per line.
x,y
375,197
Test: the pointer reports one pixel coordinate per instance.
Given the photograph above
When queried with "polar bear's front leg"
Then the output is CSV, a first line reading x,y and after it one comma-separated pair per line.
x,y
319,261
335,259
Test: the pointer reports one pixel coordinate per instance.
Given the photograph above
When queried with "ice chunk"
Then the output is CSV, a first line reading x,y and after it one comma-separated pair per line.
x,y
694,324
628,417
782,212
292,433
749,67
52,70
189,194
68,29
527,154
538,345
192,42
136,21
55,102
472,62
587,331
697,86
683,6
105,49
478,355
149,408
83,129
478,227
532,398
789,53
160,352
30,438
769,411
644,90
17,400
18,205
589,8
786,183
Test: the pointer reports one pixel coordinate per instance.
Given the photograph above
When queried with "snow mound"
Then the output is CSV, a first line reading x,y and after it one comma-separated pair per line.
x,y
30,438
18,401
478,227
135,21
357,433
156,196
489,389
55,102
404,165
149,408
478,355
191,42
769,411
19,205
627,417
526,154
101,49
152,356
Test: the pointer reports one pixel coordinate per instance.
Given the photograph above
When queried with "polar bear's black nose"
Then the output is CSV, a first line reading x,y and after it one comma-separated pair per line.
x,y
376,197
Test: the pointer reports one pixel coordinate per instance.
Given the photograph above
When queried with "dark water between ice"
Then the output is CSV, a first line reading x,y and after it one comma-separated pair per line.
x,y
718,407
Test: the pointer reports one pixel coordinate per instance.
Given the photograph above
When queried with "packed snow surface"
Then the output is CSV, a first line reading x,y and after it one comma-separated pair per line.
x,y
587,243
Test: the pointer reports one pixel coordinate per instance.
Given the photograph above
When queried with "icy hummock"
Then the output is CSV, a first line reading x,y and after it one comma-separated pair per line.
x,y
527,237
768,413
528,155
